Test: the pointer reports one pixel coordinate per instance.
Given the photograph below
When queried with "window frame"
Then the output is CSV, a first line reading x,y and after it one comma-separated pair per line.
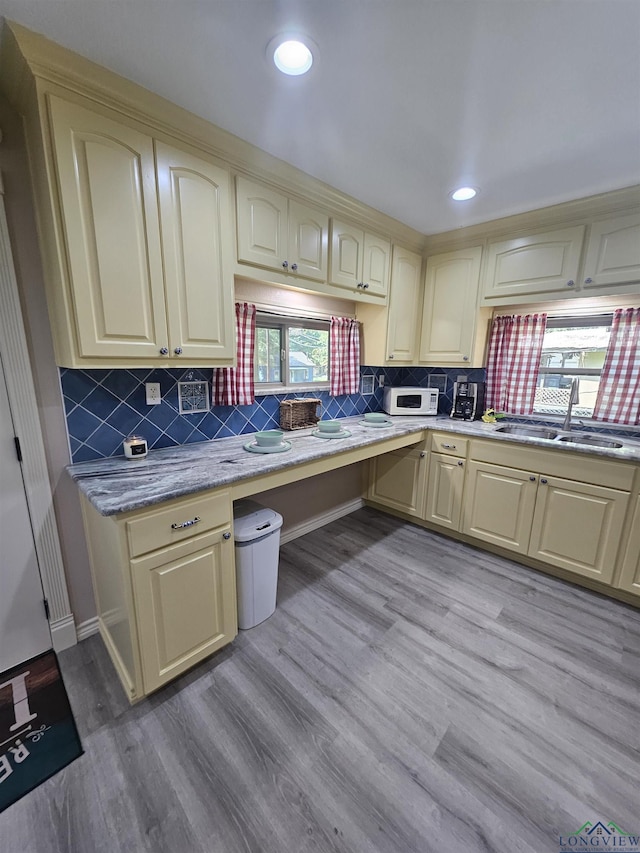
x,y
560,321
284,323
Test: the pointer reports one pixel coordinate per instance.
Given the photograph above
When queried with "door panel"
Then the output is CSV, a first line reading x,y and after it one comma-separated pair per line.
x,y
24,630
262,224
377,263
106,174
347,246
402,326
444,491
308,241
196,240
397,480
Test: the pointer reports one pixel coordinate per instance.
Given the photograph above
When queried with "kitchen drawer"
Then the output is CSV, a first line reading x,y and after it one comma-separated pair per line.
x,y
164,526
451,444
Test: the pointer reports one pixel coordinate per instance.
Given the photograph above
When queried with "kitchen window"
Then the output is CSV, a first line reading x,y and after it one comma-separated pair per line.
x,y
573,347
291,354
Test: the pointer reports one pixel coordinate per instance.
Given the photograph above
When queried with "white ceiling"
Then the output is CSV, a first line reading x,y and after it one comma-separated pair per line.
x,y
534,101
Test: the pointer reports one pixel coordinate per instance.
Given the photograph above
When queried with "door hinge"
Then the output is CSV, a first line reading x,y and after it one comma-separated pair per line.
x,y
16,441
46,608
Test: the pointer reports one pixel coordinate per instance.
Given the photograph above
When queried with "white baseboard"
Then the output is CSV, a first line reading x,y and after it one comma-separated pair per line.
x,y
88,628
320,520
63,633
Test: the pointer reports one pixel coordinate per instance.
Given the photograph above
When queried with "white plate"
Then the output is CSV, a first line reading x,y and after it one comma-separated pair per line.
x,y
377,423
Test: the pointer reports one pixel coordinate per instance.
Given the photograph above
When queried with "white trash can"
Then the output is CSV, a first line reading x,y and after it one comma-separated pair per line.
x,y
257,543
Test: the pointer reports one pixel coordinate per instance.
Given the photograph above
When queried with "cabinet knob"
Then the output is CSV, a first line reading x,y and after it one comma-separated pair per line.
x,y
164,351
588,281
422,454
544,481
178,350
461,463
294,267
366,286
570,283
465,358
285,264
532,478
226,535
391,356
359,284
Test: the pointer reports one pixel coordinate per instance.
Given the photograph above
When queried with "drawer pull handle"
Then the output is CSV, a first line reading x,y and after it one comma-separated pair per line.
x,y
184,524
450,446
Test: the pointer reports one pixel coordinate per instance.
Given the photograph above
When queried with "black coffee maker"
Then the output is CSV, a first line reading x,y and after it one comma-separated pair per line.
x,y
468,400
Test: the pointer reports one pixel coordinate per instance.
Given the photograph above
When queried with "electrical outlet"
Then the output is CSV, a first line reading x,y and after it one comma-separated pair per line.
x,y
381,381
153,393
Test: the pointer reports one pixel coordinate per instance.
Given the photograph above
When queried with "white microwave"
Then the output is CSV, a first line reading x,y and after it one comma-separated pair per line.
x,y
410,401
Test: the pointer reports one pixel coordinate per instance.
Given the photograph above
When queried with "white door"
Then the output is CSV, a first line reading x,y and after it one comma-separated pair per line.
x,y
24,629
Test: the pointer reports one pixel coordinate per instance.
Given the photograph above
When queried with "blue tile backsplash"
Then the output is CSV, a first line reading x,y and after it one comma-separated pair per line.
x,y
103,407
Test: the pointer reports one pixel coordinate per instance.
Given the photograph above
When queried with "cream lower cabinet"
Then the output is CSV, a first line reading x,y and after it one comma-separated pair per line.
x,y
164,582
630,576
449,311
397,479
147,230
445,484
568,523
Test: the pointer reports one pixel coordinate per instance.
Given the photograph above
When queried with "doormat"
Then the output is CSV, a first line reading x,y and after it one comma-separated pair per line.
x,y
38,735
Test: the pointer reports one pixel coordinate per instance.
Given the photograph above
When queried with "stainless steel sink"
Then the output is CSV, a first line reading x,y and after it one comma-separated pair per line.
x,y
530,431
593,440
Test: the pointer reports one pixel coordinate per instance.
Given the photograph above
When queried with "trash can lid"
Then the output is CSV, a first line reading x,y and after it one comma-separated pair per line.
x,y
252,521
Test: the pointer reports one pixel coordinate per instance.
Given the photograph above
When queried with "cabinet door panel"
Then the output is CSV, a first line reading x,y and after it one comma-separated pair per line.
x,y
347,247
449,309
262,224
403,305
630,577
577,526
376,264
444,491
196,239
613,254
397,480
542,263
308,241
185,604
499,504
106,175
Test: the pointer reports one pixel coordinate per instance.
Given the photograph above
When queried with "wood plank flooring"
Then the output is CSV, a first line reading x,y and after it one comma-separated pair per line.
x,y
409,694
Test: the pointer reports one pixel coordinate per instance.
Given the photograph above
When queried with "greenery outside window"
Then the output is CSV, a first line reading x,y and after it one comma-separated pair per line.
x,y
573,347
291,353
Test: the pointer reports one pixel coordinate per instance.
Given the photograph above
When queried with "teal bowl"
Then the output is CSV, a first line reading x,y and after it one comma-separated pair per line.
x,y
375,417
269,437
329,426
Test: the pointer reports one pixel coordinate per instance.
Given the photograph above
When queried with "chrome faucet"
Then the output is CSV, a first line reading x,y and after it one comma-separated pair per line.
x,y
574,397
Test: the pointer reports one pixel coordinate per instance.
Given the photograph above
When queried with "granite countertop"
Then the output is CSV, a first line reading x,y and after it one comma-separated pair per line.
x,y
118,484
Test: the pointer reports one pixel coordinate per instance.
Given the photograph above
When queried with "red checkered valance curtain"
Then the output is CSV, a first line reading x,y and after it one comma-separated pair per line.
x,y
515,347
344,356
618,398
233,386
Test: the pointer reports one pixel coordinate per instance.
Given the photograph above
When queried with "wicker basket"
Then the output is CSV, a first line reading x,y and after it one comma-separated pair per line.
x,y
298,414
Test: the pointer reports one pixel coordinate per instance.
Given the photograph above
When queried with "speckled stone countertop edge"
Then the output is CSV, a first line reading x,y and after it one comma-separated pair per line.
x,y
117,485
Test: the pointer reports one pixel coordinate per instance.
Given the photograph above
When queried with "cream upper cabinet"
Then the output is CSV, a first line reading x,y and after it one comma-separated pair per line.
x,y
108,198
630,576
196,240
404,298
148,243
360,261
279,233
449,311
540,264
613,255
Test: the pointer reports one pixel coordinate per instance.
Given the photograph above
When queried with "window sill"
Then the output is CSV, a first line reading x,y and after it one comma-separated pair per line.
x,y
262,391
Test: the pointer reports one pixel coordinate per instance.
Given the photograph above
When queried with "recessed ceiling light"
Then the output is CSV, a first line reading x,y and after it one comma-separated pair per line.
x,y
463,193
292,56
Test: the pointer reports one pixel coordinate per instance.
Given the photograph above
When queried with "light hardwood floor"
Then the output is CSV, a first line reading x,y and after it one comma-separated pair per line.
x,y
409,694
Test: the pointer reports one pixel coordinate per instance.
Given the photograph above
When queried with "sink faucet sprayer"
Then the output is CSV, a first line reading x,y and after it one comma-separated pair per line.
x,y
574,397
